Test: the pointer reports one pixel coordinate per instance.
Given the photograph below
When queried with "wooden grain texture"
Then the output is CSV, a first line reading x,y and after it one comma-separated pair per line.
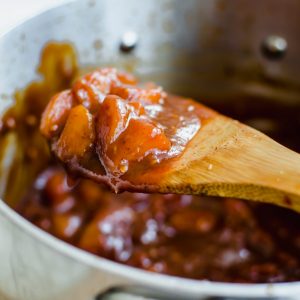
x,y
229,159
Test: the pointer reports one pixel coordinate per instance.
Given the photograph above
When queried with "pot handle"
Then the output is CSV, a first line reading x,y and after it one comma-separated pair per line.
x,y
136,293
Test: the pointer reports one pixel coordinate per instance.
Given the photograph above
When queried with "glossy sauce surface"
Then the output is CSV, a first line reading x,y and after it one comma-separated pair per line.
x,y
127,127
226,240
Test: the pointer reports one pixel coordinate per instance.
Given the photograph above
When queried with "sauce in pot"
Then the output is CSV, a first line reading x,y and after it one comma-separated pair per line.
x,y
226,240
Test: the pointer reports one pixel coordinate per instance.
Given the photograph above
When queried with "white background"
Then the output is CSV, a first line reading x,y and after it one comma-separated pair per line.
x,y
14,11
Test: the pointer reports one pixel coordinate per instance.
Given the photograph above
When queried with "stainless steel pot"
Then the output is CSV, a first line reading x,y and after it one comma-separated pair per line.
x,y
210,48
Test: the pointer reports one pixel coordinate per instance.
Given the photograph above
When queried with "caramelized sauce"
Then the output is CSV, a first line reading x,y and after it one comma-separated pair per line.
x,y
124,127
20,123
225,240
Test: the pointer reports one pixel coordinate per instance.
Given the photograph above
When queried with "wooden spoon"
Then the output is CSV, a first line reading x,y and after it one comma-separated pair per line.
x,y
229,159
226,159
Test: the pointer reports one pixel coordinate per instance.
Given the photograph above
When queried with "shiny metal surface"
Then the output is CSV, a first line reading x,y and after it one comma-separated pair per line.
x,y
129,41
274,47
195,47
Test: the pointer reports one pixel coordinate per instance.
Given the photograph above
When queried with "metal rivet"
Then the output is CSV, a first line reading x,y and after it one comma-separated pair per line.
x,y
274,47
129,41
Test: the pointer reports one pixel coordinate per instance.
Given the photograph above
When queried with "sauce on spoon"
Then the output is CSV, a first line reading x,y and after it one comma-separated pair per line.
x,y
111,128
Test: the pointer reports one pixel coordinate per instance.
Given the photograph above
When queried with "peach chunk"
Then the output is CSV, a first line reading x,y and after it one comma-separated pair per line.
x,y
91,89
126,78
139,139
113,115
56,113
67,225
78,135
152,95
149,95
124,137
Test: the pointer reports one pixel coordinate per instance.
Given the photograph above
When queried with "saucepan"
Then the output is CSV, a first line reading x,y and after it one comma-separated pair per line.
x,y
208,49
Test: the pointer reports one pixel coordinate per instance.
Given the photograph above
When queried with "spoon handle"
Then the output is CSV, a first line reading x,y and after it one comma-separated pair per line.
x,y
238,162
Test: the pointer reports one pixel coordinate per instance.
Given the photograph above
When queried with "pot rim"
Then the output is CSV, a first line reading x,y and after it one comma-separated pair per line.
x,y
158,281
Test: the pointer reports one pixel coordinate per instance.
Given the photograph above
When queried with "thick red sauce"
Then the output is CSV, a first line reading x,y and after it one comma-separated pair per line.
x,y
108,120
195,237
225,240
